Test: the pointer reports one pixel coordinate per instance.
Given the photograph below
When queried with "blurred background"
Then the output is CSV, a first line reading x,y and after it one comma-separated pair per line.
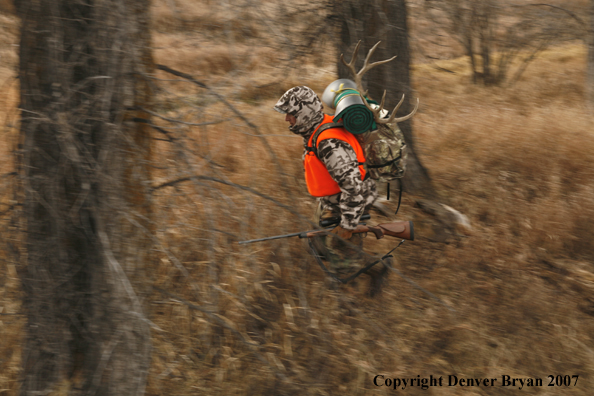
x,y
504,132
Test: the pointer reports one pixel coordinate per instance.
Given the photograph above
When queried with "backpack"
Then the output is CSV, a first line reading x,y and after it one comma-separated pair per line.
x,y
385,152
384,148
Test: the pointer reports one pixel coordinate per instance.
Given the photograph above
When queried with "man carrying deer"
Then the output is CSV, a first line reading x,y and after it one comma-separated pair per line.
x,y
334,162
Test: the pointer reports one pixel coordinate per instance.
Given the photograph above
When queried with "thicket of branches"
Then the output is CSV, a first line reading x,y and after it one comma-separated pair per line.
x,y
500,38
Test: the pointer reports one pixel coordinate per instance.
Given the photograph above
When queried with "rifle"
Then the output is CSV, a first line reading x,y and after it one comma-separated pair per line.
x,y
398,229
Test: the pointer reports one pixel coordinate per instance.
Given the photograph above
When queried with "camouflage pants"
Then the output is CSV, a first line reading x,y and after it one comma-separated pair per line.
x,y
343,257
346,257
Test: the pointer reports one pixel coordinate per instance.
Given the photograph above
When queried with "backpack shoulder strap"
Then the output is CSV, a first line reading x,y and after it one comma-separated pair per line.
x,y
314,141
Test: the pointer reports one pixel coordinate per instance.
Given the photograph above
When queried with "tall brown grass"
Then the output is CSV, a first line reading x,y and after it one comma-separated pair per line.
x,y
516,160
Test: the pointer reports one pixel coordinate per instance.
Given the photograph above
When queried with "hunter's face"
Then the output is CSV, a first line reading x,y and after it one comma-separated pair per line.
x,y
290,119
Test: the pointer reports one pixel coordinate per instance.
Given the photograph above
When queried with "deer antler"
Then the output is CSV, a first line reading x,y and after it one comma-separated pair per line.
x,y
366,66
358,76
377,112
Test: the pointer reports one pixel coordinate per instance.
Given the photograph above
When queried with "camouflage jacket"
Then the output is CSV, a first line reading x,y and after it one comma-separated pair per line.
x,y
338,157
341,161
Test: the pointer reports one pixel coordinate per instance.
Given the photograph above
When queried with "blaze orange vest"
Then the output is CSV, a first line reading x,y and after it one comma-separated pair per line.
x,y
318,179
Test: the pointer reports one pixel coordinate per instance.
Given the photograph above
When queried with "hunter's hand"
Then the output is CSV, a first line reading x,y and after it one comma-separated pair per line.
x,y
342,232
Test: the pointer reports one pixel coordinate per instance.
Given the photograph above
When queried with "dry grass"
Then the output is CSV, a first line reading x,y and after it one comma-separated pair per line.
x,y
516,160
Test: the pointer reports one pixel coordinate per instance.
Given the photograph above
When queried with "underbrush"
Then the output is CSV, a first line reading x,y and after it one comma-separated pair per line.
x,y
514,298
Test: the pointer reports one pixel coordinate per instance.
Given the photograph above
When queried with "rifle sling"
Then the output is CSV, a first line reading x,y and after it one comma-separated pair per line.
x,y
314,142
399,195
384,164
356,274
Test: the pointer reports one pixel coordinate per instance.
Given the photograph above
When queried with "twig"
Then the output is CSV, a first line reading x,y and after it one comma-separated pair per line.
x,y
568,12
171,138
213,179
177,121
229,105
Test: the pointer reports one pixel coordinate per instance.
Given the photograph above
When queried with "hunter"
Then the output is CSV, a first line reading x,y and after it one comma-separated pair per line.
x,y
335,176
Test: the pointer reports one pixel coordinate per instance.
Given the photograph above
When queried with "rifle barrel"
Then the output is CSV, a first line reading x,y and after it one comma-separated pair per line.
x,y
299,234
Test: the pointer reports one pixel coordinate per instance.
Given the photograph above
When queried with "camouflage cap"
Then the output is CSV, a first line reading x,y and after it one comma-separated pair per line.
x,y
302,103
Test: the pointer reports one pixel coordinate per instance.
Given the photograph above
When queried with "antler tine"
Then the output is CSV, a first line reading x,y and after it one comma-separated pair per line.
x,y
412,113
351,66
401,119
355,53
366,66
393,115
382,103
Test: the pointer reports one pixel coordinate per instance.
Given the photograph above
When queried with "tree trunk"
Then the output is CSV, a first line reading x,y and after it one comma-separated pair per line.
x,y
470,52
590,71
386,21
85,171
